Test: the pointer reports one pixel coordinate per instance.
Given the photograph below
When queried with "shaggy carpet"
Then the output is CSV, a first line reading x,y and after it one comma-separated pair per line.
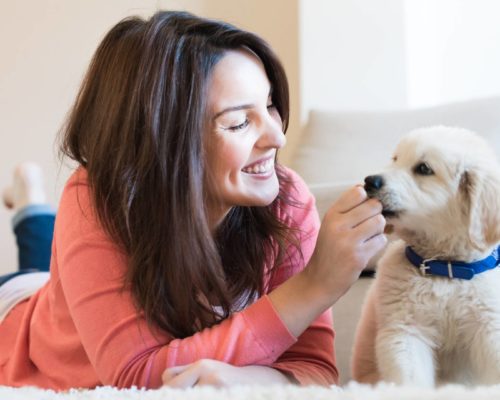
x,y
349,392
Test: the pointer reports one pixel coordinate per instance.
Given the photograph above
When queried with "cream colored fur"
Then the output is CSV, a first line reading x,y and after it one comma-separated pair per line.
x,y
423,330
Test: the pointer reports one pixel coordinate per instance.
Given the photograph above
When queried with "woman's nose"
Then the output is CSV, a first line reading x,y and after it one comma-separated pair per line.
x,y
272,134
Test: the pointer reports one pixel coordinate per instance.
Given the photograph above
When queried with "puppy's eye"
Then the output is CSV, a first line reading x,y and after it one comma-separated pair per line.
x,y
423,169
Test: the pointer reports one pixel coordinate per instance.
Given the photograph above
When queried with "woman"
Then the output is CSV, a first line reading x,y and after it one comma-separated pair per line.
x,y
180,247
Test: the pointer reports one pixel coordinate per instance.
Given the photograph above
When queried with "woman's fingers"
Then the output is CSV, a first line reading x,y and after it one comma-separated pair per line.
x,y
181,377
371,226
199,373
350,199
353,208
172,372
374,244
365,211
369,209
370,234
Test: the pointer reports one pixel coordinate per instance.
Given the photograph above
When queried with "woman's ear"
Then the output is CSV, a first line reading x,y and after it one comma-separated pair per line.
x,y
481,194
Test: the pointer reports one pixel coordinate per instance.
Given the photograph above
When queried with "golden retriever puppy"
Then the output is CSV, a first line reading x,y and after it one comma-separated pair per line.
x,y
432,314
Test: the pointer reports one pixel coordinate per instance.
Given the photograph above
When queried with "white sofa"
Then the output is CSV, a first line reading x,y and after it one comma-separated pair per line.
x,y
338,149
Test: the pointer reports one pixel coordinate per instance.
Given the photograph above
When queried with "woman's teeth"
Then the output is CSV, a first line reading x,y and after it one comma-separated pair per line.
x,y
261,168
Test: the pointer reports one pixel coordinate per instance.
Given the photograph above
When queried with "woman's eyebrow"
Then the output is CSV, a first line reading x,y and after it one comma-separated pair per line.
x,y
234,108
240,107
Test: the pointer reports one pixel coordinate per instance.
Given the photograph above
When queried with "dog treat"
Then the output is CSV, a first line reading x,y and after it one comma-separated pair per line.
x,y
389,229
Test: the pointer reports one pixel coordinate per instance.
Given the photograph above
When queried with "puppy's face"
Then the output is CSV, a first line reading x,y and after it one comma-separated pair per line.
x,y
443,184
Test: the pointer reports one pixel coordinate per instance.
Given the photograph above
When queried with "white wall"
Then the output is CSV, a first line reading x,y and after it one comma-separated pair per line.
x,y
352,54
385,54
453,50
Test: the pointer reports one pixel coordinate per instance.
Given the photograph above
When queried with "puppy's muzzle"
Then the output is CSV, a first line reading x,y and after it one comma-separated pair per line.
x,y
373,184
373,187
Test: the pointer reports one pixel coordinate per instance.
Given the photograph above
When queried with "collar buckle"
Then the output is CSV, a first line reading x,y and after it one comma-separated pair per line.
x,y
424,268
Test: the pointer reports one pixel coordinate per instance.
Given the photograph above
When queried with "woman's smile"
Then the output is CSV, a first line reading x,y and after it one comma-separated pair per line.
x,y
262,167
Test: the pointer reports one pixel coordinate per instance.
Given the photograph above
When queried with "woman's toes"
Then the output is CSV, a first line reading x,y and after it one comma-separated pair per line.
x,y
27,187
7,197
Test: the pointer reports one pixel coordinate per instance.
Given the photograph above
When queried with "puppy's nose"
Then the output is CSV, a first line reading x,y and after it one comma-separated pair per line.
x,y
373,183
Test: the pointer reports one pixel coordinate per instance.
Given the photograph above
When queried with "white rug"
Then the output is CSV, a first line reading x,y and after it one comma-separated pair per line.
x,y
349,392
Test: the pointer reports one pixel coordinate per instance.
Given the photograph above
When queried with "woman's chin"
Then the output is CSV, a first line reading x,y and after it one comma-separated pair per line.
x,y
265,199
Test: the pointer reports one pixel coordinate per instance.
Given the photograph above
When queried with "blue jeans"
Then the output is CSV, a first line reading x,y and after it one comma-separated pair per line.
x,y
33,227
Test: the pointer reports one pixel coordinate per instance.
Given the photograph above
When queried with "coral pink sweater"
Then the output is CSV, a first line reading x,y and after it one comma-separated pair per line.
x,y
82,330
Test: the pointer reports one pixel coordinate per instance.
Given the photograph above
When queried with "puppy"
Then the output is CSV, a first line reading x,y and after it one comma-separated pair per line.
x,y
432,314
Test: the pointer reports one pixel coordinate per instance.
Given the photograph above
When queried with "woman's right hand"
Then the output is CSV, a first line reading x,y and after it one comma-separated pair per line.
x,y
350,234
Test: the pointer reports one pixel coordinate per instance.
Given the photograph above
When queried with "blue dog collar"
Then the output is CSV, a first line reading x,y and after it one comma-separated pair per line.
x,y
452,269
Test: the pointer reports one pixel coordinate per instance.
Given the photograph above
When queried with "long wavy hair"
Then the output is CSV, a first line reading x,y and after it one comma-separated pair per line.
x,y
137,128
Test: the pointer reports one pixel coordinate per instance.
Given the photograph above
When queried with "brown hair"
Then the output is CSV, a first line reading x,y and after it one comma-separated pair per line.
x,y
137,127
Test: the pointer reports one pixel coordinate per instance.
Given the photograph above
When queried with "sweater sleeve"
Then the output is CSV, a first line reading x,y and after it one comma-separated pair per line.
x,y
121,347
311,359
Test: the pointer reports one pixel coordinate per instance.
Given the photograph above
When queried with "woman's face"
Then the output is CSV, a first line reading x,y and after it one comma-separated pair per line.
x,y
244,132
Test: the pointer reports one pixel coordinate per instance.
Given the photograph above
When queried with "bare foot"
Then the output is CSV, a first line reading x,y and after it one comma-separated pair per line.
x,y
26,188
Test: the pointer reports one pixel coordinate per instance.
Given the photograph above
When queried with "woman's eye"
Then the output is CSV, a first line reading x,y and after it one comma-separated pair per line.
x,y
234,128
423,169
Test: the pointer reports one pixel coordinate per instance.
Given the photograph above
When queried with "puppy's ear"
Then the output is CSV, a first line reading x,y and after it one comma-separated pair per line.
x,y
481,195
